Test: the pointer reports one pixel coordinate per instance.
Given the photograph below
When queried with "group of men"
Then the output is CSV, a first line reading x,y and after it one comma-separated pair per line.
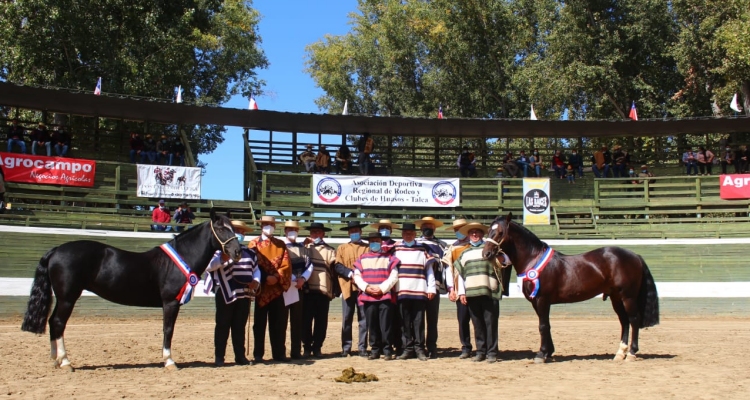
x,y
165,151
392,284
42,140
161,216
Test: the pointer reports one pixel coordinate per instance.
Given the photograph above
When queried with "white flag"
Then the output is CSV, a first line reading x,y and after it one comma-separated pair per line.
x,y
734,105
179,94
533,114
346,108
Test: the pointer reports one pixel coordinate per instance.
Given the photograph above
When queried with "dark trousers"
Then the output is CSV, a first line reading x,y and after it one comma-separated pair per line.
x,y
704,168
315,312
274,314
484,312
412,322
464,328
398,336
230,317
432,312
379,316
348,307
296,326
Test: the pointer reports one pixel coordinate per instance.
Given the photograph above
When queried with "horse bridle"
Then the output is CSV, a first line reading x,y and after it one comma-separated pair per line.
x,y
223,243
499,250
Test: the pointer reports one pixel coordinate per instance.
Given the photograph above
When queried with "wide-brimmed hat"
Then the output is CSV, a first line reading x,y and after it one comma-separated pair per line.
x,y
430,220
408,226
241,226
291,224
184,203
473,225
457,223
317,225
382,222
309,146
267,218
161,201
353,224
373,235
644,166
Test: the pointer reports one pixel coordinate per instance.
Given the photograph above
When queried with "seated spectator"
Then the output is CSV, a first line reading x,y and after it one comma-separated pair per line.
x,y
323,160
509,165
600,162
136,148
177,152
343,159
576,161
571,174
149,148
307,158
523,163
160,215
705,159
163,150
466,163
16,137
535,162
183,215
61,141
558,164
690,161
727,159
40,137
619,163
645,173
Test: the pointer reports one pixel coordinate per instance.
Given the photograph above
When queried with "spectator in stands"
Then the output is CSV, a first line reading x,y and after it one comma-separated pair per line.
x,y
535,162
576,161
740,160
343,159
149,148
15,137
183,215
558,164
177,151
466,163
632,175
705,159
571,174
600,162
40,137
136,148
690,162
61,141
365,146
509,165
523,163
323,160
164,152
645,173
307,158
727,158
619,162
160,215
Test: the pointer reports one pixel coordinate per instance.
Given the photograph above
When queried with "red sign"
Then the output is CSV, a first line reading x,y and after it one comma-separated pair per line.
x,y
734,186
48,170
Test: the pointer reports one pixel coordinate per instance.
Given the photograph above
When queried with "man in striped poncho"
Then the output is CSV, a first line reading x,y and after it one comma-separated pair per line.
x,y
479,290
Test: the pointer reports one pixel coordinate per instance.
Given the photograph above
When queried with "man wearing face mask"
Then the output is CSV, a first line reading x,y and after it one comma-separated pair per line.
x,y
320,290
235,284
302,267
161,216
479,289
376,273
273,259
727,158
346,255
416,286
385,227
436,248
576,161
462,312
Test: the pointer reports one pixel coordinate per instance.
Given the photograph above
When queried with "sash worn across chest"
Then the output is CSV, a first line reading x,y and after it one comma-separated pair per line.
x,y
191,279
532,275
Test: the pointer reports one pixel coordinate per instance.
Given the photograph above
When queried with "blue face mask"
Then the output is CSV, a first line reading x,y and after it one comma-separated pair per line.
x,y
355,236
409,244
317,240
473,243
375,247
385,232
460,236
240,237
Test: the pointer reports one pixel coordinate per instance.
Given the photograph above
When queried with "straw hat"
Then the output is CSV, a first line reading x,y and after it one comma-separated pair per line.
x,y
291,224
473,225
383,222
644,166
267,219
241,226
431,220
457,223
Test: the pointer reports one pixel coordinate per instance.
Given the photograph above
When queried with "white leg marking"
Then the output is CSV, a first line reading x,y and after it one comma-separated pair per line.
x,y
53,350
62,355
621,351
167,357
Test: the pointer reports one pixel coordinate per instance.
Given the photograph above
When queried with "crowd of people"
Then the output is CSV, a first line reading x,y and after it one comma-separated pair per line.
x,y
161,216
42,141
165,151
391,281
322,162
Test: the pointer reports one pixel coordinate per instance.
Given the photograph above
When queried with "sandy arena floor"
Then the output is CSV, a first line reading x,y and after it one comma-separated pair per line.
x,y
121,358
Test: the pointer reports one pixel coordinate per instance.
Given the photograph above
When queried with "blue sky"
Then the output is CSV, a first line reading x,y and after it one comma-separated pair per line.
x,y
286,28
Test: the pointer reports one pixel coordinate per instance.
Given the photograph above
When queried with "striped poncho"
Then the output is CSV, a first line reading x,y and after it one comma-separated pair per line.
x,y
376,269
323,258
478,275
415,275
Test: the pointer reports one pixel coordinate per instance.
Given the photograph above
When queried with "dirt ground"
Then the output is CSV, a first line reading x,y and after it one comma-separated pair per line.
x,y
121,358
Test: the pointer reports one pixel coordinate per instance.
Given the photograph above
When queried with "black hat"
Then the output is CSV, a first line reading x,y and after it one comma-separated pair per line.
x,y
353,224
317,225
374,235
408,226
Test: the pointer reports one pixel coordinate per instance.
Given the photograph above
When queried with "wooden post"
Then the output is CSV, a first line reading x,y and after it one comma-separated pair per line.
x,y
189,159
437,153
118,186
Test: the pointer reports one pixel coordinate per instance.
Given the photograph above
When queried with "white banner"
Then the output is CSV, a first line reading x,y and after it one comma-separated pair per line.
x,y
390,191
164,181
536,201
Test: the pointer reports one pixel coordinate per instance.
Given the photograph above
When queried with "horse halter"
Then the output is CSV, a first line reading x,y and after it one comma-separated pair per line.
x,y
493,241
223,243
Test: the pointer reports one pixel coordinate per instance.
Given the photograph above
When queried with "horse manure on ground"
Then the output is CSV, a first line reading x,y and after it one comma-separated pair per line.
x,y
349,375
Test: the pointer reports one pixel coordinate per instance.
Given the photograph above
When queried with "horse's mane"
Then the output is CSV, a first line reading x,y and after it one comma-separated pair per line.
x,y
529,239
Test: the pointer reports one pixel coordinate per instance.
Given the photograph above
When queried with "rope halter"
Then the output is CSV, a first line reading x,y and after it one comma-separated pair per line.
x,y
223,243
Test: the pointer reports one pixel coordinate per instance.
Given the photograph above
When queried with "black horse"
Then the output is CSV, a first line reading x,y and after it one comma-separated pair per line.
x,y
149,279
553,278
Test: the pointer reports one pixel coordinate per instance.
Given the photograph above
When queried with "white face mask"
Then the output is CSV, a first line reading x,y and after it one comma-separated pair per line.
x,y
291,235
268,230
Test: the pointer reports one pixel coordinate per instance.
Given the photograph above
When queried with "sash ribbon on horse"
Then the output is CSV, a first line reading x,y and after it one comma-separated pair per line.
x,y
191,279
532,275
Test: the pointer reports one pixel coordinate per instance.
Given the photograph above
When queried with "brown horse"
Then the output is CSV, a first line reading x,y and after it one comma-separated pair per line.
x,y
550,277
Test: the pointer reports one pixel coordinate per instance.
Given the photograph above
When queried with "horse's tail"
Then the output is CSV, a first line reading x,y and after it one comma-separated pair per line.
x,y
40,298
648,299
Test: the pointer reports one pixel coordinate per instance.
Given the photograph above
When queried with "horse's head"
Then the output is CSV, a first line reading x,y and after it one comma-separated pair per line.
x,y
496,236
226,240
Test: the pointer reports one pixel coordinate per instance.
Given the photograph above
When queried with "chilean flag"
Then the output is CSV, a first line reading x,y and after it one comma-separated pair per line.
x,y
633,113
98,90
440,112
253,105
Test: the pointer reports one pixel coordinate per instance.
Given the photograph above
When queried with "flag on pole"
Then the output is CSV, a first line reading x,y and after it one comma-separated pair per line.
x,y
440,112
346,108
98,89
253,105
735,105
179,94
633,113
533,114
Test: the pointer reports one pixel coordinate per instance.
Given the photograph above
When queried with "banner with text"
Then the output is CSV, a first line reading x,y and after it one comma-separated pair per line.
x,y
169,182
390,191
44,170
536,201
734,186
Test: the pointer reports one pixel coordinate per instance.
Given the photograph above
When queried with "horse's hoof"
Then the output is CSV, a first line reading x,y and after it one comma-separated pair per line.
x,y
631,357
67,368
619,357
55,364
539,360
171,367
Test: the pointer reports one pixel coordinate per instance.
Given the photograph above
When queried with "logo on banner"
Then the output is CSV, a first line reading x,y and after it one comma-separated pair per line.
x,y
328,190
444,193
165,176
536,201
